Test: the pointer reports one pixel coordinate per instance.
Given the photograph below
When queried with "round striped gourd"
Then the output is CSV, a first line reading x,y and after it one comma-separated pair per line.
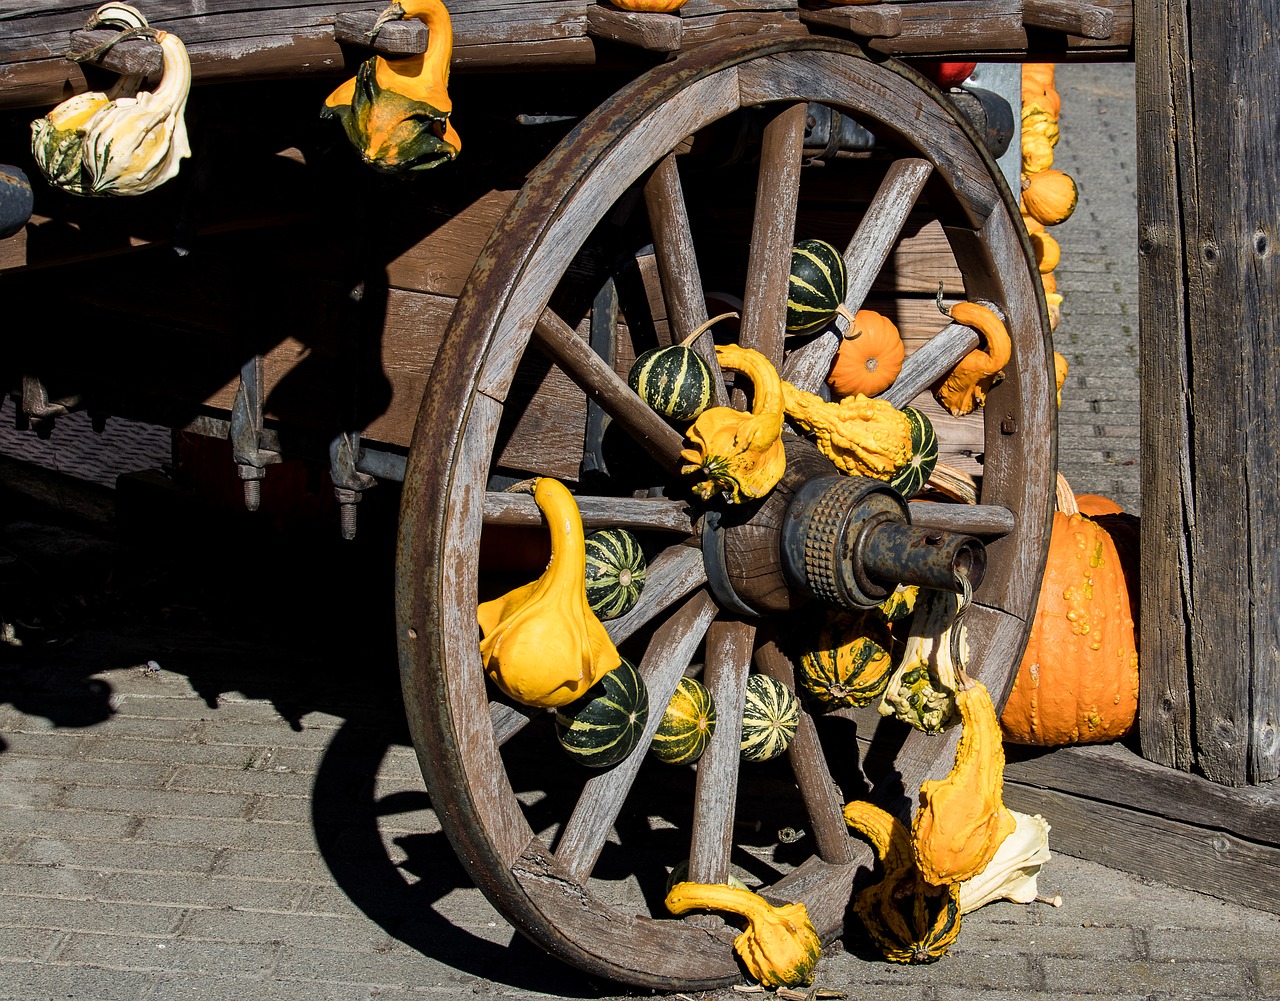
x,y
672,380
606,724
849,664
769,718
816,287
615,571
687,725
914,474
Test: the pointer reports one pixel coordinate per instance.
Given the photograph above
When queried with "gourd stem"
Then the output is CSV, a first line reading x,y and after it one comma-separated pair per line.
x,y
703,327
843,310
942,308
98,51
393,13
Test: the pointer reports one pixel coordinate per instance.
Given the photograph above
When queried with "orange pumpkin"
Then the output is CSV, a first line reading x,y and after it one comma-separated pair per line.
x,y
870,356
1095,504
1078,680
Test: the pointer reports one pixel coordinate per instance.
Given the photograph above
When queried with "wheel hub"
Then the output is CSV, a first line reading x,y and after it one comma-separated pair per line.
x,y
844,540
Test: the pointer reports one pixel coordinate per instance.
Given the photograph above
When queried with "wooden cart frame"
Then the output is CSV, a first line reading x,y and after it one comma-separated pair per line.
x,y
523,274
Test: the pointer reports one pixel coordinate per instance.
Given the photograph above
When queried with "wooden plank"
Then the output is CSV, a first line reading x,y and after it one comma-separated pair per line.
x,y
1229,332
1168,519
729,651
880,20
965,519
1111,773
956,26
1073,17
651,32
663,665
1167,851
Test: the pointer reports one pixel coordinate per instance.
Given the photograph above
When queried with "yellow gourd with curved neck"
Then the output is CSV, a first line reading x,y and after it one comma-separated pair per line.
x,y
396,111
541,643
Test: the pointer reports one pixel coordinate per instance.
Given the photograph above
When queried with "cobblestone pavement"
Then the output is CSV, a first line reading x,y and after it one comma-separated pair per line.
x,y
207,789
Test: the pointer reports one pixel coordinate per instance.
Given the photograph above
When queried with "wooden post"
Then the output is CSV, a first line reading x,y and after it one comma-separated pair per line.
x,y
1209,293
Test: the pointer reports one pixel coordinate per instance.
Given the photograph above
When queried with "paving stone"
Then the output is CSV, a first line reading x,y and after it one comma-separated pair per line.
x,y
187,988
108,856
334,932
232,833
139,953
1211,980
24,879
90,915
270,863
89,773
161,802
29,943
68,823
202,891
31,981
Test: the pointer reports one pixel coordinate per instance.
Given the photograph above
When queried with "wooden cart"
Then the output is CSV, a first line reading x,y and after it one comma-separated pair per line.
x,y
621,175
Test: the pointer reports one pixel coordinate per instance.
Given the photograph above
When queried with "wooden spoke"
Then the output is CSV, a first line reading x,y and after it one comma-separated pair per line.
x,y
729,646
662,666
602,384
966,519
678,266
772,233
661,514
930,362
821,797
807,367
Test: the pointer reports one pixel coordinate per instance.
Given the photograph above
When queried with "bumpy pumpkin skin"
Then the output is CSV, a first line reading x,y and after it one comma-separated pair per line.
x,y
1078,680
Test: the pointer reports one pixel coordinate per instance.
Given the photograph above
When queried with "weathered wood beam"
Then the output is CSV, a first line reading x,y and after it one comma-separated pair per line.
x,y
1209,291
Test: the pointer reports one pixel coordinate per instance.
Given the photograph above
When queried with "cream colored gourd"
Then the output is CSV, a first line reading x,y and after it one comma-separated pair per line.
x,y
541,643
922,690
120,145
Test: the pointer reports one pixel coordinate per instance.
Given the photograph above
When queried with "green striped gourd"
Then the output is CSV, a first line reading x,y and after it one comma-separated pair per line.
x,y
673,381
687,725
910,479
816,288
848,664
606,724
615,570
769,718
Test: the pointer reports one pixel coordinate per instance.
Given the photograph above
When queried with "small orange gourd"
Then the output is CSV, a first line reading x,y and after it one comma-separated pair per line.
x,y
967,385
870,356
1049,196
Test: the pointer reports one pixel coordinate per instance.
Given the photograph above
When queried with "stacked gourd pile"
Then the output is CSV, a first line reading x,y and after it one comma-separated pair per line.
x,y
1048,195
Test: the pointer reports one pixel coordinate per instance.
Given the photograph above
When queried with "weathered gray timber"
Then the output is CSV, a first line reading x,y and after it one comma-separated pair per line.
x,y
1209,292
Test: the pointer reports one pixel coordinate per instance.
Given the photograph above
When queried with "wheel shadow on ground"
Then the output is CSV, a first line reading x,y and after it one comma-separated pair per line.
x,y
305,624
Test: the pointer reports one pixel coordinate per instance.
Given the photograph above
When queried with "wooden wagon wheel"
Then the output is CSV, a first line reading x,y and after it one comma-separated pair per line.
x,y
541,871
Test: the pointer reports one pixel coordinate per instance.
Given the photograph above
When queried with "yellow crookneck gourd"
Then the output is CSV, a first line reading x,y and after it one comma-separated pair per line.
x,y
862,436
737,453
115,142
541,643
779,947
396,112
922,690
909,919
962,819
967,385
